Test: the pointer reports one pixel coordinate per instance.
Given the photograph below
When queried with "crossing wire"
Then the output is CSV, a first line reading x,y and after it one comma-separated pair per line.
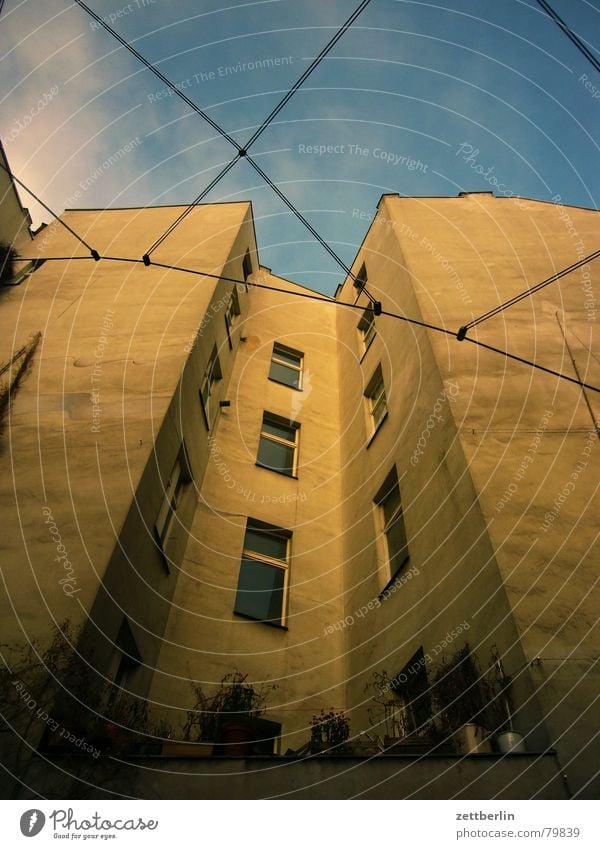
x,y
531,291
241,151
158,74
570,34
93,253
307,73
324,299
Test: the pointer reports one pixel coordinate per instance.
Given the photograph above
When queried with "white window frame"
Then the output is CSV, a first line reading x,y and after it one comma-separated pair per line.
x,y
384,527
376,397
250,554
291,352
279,422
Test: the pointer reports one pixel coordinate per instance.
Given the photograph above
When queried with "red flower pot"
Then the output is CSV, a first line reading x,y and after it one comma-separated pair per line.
x,y
237,737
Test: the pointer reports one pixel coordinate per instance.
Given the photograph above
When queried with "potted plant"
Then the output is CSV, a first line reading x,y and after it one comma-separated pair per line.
x,y
459,699
240,704
222,723
199,730
329,731
403,718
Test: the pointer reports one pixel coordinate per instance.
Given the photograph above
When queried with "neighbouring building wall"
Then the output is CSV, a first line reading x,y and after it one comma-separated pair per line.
x,y
15,221
529,440
450,592
96,424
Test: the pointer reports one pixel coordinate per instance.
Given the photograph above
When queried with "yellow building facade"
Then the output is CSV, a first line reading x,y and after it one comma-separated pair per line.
x,y
224,471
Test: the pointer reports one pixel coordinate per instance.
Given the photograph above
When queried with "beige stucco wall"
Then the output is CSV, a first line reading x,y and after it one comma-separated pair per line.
x,y
97,422
15,221
205,640
451,589
462,256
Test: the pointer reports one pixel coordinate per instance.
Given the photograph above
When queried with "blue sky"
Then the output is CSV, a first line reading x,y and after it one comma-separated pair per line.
x,y
400,93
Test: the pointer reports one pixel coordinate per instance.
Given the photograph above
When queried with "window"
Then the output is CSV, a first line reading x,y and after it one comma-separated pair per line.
x,y
173,490
376,400
247,266
278,445
212,374
392,524
411,689
231,311
286,366
264,573
128,659
361,278
366,328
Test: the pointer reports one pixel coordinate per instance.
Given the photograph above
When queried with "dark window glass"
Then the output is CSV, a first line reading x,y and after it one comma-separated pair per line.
x,y
282,431
283,374
260,591
391,504
412,688
287,356
270,545
276,456
389,501
396,542
247,266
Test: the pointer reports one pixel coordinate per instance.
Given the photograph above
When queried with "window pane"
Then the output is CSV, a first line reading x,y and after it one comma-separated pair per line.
x,y
281,431
396,542
284,374
276,456
264,543
378,392
260,591
391,504
287,357
379,410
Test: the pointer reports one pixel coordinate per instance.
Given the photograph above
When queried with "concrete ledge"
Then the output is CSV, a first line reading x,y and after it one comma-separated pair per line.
x,y
522,776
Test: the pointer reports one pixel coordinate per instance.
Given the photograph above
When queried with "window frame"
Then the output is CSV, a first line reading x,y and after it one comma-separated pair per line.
x,y
413,693
173,491
232,310
291,352
212,375
278,421
361,278
366,327
264,529
391,485
374,398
